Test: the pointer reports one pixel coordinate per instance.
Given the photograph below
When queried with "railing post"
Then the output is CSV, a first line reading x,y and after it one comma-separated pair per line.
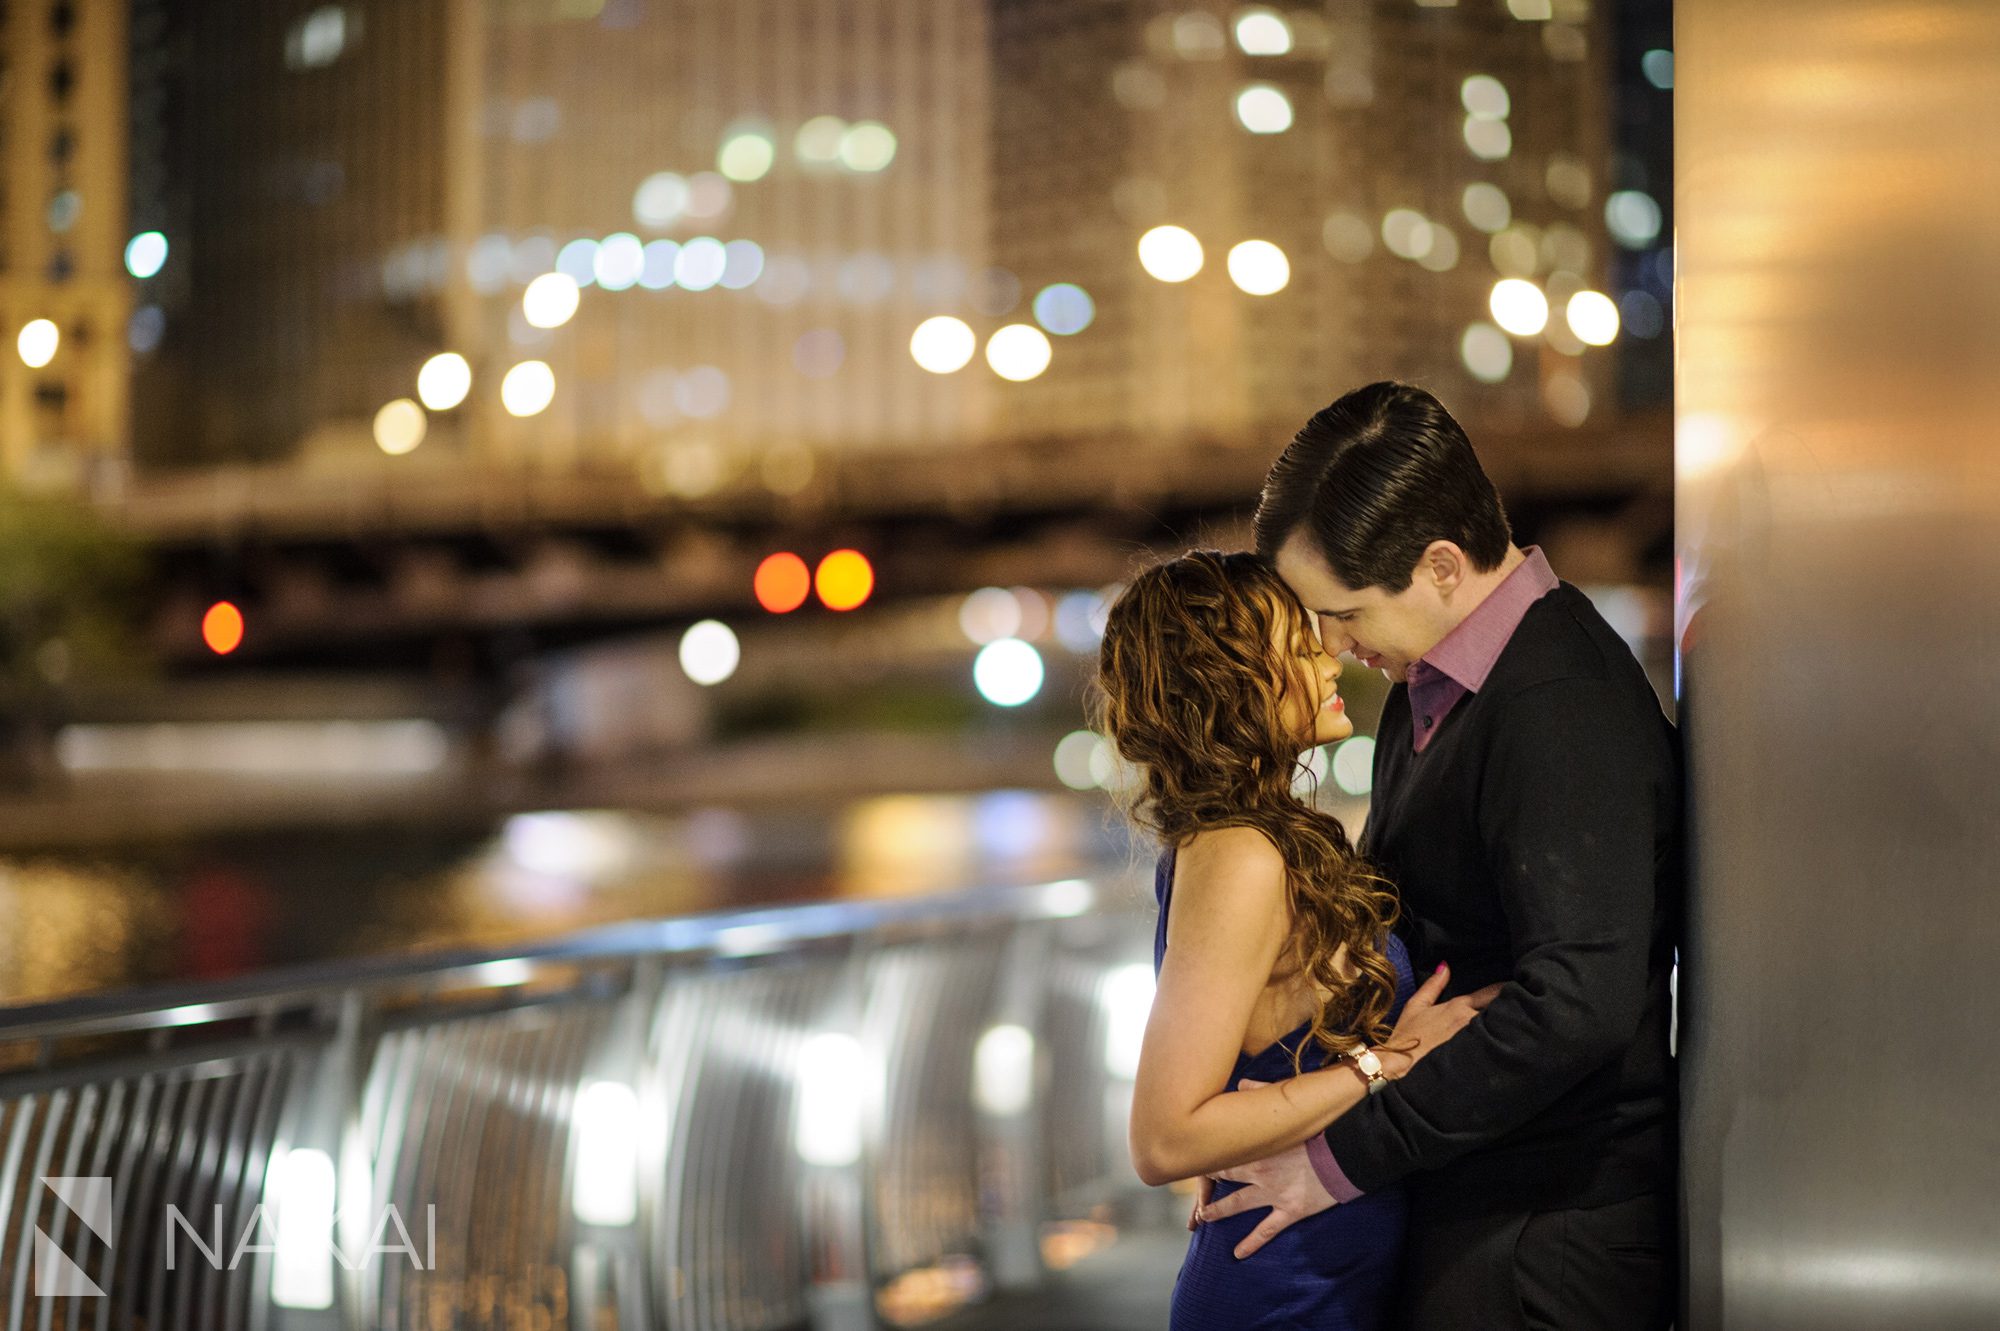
x,y
314,1198
610,1196
837,1121
1007,1085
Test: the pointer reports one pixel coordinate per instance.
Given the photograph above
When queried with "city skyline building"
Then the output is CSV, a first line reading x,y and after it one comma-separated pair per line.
x,y
64,291
709,243
1357,177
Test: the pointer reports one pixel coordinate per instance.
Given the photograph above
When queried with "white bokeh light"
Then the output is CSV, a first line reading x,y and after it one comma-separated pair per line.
x,y
619,261
38,342
1593,318
1019,352
709,652
1519,306
943,345
1008,672
1354,765
444,381
551,300
1263,32
528,388
1170,253
1263,109
1259,268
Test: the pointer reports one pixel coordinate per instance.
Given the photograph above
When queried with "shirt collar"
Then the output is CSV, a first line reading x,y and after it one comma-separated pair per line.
x,y
1469,652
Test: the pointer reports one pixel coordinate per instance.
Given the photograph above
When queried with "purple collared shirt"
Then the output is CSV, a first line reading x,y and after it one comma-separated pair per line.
x,y
1446,673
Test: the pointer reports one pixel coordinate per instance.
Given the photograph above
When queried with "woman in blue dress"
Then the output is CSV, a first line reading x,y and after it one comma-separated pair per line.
x,y
1283,996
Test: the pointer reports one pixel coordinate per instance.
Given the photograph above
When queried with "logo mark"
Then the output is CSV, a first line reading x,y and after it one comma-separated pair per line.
x,y
56,1272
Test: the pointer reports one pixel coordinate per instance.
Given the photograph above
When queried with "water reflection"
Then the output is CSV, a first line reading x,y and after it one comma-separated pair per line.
x,y
227,905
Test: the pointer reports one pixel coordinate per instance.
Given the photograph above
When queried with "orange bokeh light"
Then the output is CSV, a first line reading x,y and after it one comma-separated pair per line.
x,y
782,583
844,580
222,628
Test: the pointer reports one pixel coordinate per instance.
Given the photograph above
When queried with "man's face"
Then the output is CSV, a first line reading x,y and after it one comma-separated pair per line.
x,y
1382,630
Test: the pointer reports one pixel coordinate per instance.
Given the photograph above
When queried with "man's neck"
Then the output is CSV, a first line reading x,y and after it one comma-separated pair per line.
x,y
1473,593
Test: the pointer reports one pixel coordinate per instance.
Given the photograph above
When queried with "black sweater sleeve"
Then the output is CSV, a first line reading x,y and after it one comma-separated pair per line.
x,y
1567,814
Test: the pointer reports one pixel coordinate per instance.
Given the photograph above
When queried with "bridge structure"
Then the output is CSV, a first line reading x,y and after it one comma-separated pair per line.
x,y
376,562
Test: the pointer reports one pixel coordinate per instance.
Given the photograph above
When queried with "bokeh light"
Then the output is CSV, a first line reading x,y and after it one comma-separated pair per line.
x,y
1633,218
444,381
1519,306
657,272
742,264
700,263
1263,32
528,388
222,628
1259,268
1064,309
1489,140
782,582
1593,318
1486,352
1567,399
818,140
844,580
1641,314
551,300
618,262
709,652
1658,67
746,155
1484,97
989,614
1076,759
867,147
1486,207
660,200
400,426
38,342
578,260
1019,352
1263,109
943,345
146,254
1406,232
1008,672
1353,765
1170,253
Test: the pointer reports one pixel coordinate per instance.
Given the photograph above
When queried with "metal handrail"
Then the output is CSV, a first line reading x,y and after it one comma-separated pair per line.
x,y
750,1119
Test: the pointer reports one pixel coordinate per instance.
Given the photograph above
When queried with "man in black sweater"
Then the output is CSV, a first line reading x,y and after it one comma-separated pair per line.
x,y
1527,805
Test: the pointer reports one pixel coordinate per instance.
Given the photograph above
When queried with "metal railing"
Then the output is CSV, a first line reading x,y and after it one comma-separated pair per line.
x,y
836,1115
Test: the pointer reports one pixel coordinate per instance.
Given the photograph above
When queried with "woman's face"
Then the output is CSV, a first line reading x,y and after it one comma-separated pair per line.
x,y
1312,709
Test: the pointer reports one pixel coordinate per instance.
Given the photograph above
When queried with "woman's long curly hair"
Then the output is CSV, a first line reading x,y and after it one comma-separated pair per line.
x,y
1198,655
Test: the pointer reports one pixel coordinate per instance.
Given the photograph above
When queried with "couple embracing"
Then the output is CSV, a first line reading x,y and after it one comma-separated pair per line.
x,y
1425,1083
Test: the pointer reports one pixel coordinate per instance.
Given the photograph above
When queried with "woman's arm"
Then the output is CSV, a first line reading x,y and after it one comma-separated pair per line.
x,y
1228,923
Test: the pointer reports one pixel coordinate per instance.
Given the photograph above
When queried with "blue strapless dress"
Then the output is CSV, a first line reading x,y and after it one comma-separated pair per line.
x,y
1334,1271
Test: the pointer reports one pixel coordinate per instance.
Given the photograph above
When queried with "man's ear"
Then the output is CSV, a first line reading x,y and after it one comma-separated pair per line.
x,y
1445,565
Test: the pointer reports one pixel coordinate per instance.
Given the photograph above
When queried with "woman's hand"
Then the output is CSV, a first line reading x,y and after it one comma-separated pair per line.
x,y
1426,1023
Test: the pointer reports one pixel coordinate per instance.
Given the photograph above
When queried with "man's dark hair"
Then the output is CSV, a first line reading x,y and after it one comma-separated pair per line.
x,y
1373,480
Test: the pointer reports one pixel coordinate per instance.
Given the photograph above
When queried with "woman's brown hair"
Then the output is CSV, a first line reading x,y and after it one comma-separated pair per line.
x,y
1198,655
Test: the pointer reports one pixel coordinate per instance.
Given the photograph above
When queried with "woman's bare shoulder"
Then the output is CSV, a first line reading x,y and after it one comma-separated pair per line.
x,y
1237,859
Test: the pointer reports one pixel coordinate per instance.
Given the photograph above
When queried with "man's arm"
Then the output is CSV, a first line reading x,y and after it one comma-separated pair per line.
x,y
1568,821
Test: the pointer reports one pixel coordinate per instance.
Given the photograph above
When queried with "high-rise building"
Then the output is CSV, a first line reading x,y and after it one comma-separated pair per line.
x,y
64,291
1370,168
759,200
